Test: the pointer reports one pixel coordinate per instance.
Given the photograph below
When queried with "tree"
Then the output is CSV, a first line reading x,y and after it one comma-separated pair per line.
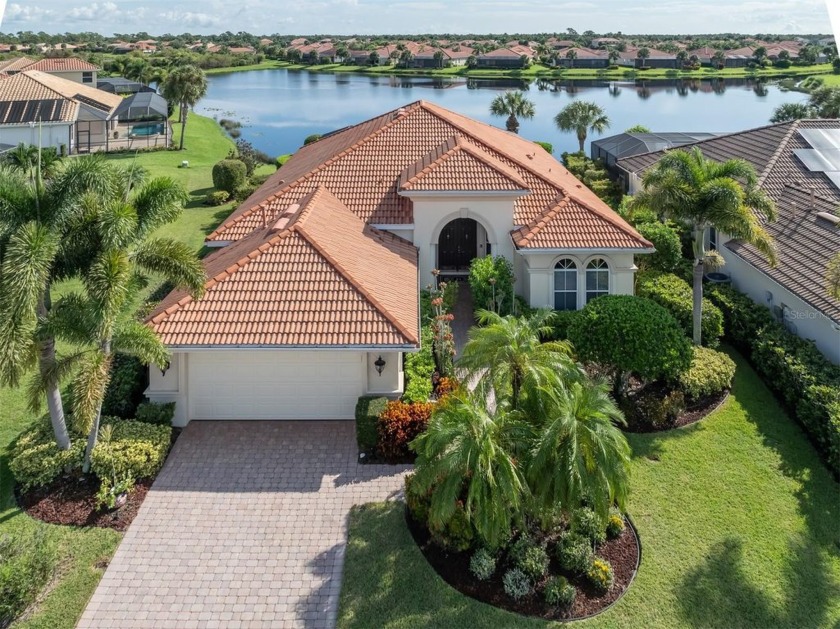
x,y
701,193
719,58
613,56
185,85
832,276
29,159
38,231
373,58
825,102
571,55
514,105
791,111
507,355
439,58
682,57
639,128
759,55
642,55
582,117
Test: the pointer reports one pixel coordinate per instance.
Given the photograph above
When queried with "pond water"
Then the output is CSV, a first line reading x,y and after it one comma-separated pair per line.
x,y
279,108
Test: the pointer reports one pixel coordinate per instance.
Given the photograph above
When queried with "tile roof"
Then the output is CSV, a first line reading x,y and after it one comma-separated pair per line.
x,y
63,64
314,276
23,88
36,85
804,242
362,166
15,64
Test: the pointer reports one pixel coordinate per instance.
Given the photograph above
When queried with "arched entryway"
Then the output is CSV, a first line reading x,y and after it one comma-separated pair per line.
x,y
458,245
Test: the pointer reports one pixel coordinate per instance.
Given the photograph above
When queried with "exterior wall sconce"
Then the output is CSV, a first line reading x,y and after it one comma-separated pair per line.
x,y
380,365
164,368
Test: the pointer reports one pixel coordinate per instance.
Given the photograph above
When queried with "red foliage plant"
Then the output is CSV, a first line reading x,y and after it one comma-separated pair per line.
x,y
398,425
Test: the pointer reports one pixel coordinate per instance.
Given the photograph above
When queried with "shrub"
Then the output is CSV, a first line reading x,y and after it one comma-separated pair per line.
x,y
129,379
534,562
482,564
312,138
136,450
27,561
600,575
282,159
516,584
218,197
548,146
560,324
35,460
744,319
419,368
398,425
586,523
615,523
652,408
631,334
154,413
106,497
492,277
559,592
675,294
457,534
243,192
229,175
417,502
574,553
819,413
668,252
710,373
368,409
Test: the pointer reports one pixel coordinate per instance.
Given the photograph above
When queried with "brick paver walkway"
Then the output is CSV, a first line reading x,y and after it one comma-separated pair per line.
x,y
245,527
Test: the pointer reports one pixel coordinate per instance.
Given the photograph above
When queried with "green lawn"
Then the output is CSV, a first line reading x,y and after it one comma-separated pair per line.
x,y
82,549
739,521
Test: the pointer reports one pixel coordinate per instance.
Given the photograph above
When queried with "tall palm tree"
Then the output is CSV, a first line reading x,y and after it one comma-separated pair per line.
x,y
582,117
466,453
505,354
578,452
514,105
571,55
719,58
832,276
185,85
39,229
642,55
701,193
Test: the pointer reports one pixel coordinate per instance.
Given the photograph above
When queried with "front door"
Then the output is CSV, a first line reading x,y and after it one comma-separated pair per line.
x,y
457,245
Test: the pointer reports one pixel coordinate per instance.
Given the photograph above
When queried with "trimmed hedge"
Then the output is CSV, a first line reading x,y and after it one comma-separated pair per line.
x,y
676,295
710,373
229,175
668,246
792,367
154,413
35,460
368,409
136,450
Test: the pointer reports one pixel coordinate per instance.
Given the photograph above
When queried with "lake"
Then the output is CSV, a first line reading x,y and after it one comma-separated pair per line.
x,y
279,108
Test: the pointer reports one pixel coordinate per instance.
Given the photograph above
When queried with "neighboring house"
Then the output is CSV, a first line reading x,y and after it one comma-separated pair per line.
x,y
77,117
315,288
68,68
739,57
14,65
451,57
604,42
122,86
584,58
796,163
612,148
509,58
656,59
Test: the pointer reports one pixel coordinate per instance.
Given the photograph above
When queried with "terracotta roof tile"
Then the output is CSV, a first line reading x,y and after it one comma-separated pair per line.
x,y
315,276
16,64
63,64
35,85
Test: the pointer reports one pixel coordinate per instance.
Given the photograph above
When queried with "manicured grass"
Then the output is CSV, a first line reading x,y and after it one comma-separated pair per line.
x,y
831,80
265,65
738,519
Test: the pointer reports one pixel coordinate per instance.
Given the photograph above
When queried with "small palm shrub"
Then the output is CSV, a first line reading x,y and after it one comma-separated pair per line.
x,y
588,524
615,524
482,564
600,575
534,562
558,592
516,584
710,373
574,553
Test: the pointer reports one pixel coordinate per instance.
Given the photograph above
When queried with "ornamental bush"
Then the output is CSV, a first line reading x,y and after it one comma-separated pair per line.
x,y
676,295
368,410
218,197
560,324
136,450
743,318
129,379
491,277
558,592
819,413
548,146
516,584
600,575
457,534
35,460
398,425
615,523
158,414
418,369
574,552
229,175
482,564
631,335
533,562
668,252
652,408
586,523
27,560
710,373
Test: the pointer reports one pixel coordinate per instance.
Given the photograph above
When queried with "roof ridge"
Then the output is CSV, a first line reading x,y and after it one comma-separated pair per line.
x,y
771,163
301,229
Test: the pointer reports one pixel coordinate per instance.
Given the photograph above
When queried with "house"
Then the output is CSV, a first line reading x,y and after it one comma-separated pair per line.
x,y
72,117
739,57
121,85
69,68
604,42
509,58
450,57
795,162
583,58
15,65
312,299
656,59
612,148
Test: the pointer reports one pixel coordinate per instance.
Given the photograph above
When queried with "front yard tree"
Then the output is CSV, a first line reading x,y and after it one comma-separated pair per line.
x,y
701,193
185,85
514,105
582,117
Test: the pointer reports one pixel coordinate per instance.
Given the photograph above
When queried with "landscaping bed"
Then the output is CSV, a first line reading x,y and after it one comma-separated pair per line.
x,y
71,500
623,553
692,414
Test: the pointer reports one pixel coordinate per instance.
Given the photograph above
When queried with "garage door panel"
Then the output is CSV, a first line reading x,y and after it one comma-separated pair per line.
x,y
275,385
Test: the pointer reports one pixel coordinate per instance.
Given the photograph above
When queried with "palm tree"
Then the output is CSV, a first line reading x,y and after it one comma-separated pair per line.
x,y
571,55
505,354
682,57
701,193
514,105
578,452
719,58
642,55
39,227
832,276
438,58
185,85
582,117
791,111
613,56
466,453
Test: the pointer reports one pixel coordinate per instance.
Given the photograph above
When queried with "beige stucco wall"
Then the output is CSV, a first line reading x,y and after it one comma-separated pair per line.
x,y
52,134
76,77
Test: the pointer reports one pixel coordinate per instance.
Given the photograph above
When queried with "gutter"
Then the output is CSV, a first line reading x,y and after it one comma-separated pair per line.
x,y
316,348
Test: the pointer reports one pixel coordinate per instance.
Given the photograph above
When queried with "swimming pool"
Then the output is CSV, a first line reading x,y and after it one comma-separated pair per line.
x,y
147,129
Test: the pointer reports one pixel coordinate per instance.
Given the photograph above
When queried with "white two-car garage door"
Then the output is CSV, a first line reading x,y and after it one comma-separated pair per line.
x,y
275,384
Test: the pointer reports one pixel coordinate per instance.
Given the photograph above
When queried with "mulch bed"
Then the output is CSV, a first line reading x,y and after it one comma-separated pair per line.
x,y
454,568
71,500
694,413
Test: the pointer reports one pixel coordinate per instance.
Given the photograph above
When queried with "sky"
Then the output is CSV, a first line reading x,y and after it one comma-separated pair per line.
x,y
341,17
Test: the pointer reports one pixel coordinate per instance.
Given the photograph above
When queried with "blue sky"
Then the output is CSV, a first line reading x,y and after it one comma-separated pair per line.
x,y
417,16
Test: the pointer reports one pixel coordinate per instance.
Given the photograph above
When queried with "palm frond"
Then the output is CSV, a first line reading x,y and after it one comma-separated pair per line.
x,y
55,374
159,202
27,265
88,388
175,261
137,339
72,319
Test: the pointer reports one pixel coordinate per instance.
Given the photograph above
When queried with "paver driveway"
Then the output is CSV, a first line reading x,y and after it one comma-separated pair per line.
x,y
244,527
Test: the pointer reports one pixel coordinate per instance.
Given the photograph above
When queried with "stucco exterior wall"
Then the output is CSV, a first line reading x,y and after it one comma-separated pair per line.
x,y
51,135
76,77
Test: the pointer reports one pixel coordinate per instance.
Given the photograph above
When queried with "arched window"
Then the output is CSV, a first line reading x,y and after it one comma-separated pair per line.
x,y
597,279
565,285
